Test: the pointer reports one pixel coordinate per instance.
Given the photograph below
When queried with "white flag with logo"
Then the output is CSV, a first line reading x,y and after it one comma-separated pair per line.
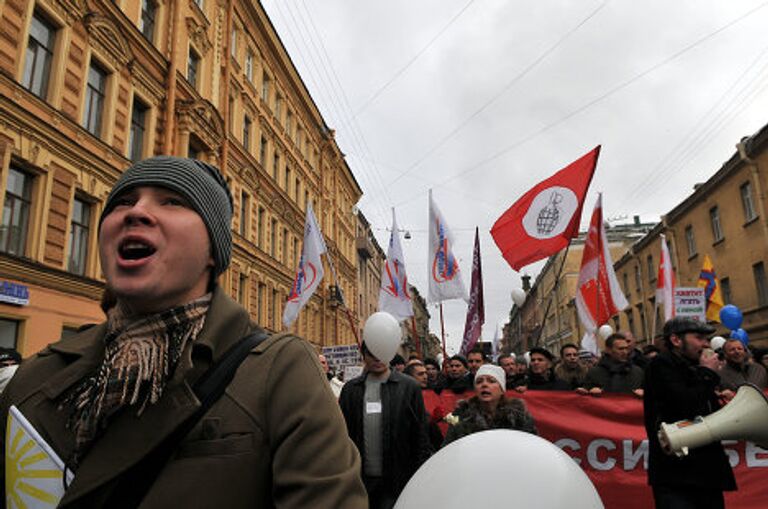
x,y
394,297
665,282
310,271
444,277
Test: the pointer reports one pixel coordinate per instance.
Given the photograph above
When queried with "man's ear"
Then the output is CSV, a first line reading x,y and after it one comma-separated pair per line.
x,y
676,340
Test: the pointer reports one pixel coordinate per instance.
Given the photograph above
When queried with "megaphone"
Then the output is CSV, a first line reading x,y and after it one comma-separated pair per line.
x,y
744,418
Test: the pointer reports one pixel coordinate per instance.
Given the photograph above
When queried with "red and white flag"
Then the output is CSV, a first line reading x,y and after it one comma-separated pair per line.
x,y
473,327
546,218
394,297
310,271
665,282
444,277
598,294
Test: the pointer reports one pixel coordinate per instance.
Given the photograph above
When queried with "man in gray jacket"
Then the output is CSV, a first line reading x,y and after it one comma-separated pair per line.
x,y
614,372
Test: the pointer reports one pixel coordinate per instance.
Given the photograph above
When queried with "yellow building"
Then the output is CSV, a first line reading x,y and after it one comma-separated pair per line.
x,y
724,218
87,87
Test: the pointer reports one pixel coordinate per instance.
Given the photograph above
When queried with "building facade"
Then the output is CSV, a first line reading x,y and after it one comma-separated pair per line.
x,y
87,87
725,219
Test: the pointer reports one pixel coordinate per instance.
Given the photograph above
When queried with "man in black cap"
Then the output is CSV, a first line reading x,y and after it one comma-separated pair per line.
x,y
680,384
541,376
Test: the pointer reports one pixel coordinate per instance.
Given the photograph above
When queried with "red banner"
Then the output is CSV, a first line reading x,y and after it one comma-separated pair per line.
x,y
606,437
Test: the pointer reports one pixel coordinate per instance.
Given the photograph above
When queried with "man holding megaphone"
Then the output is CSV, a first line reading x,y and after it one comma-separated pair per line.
x,y
680,384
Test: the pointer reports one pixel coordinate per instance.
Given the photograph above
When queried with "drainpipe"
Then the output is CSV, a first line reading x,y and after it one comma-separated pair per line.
x,y
225,92
170,100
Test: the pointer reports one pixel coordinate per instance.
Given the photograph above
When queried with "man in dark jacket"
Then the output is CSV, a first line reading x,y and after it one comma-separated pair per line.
x,y
387,421
541,376
614,372
680,385
106,399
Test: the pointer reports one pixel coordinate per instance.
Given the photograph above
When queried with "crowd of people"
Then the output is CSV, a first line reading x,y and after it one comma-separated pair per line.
x,y
620,369
179,399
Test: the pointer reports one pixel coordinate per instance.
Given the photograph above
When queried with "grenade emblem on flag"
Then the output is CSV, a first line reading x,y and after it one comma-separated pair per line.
x,y
549,216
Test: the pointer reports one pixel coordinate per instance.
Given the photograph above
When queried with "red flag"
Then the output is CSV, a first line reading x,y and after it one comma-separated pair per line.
x,y
476,308
544,219
598,294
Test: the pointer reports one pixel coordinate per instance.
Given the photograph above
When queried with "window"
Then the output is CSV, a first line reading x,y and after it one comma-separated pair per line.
x,y
690,240
651,269
287,181
297,190
233,43
273,239
631,322
193,67
247,132
138,130
78,236
147,21
275,165
9,333
295,250
260,302
761,284
717,231
306,199
244,212
231,114
260,232
746,201
289,123
37,67
278,106
95,92
263,152
638,281
265,81
274,314
16,210
725,289
242,284
626,283
284,254
249,66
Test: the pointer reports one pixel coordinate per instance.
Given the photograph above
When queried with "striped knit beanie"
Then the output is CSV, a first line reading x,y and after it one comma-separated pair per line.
x,y
200,183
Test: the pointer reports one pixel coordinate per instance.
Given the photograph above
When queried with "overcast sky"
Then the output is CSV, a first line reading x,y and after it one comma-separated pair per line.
x,y
482,99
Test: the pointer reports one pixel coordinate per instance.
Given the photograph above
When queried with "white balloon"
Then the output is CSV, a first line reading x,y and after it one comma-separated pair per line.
x,y
518,297
500,469
527,357
604,331
717,342
382,335
439,359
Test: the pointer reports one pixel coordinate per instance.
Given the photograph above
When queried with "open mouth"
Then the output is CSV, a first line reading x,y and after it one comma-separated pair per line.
x,y
135,250
485,393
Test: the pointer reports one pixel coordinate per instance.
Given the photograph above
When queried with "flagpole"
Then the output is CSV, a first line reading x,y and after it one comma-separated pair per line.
x,y
554,289
442,330
416,339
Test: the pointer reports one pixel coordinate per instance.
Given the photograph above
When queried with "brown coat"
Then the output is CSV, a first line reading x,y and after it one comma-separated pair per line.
x,y
276,438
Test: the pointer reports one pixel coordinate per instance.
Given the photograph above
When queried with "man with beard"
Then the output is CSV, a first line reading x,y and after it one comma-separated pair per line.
x,y
679,385
738,370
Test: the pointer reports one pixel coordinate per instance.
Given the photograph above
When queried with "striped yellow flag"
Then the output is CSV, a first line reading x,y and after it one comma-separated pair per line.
x,y
708,280
34,473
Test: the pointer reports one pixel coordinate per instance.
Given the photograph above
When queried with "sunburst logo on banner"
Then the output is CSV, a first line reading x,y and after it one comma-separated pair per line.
x,y
33,470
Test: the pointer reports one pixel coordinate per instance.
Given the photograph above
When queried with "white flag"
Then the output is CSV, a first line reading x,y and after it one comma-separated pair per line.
x,y
665,282
310,271
394,297
34,472
444,277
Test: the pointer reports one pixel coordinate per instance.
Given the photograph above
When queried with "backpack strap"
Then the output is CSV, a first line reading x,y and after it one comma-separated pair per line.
x,y
133,485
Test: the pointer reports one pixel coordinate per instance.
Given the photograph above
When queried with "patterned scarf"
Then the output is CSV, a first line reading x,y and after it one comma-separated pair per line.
x,y
139,358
